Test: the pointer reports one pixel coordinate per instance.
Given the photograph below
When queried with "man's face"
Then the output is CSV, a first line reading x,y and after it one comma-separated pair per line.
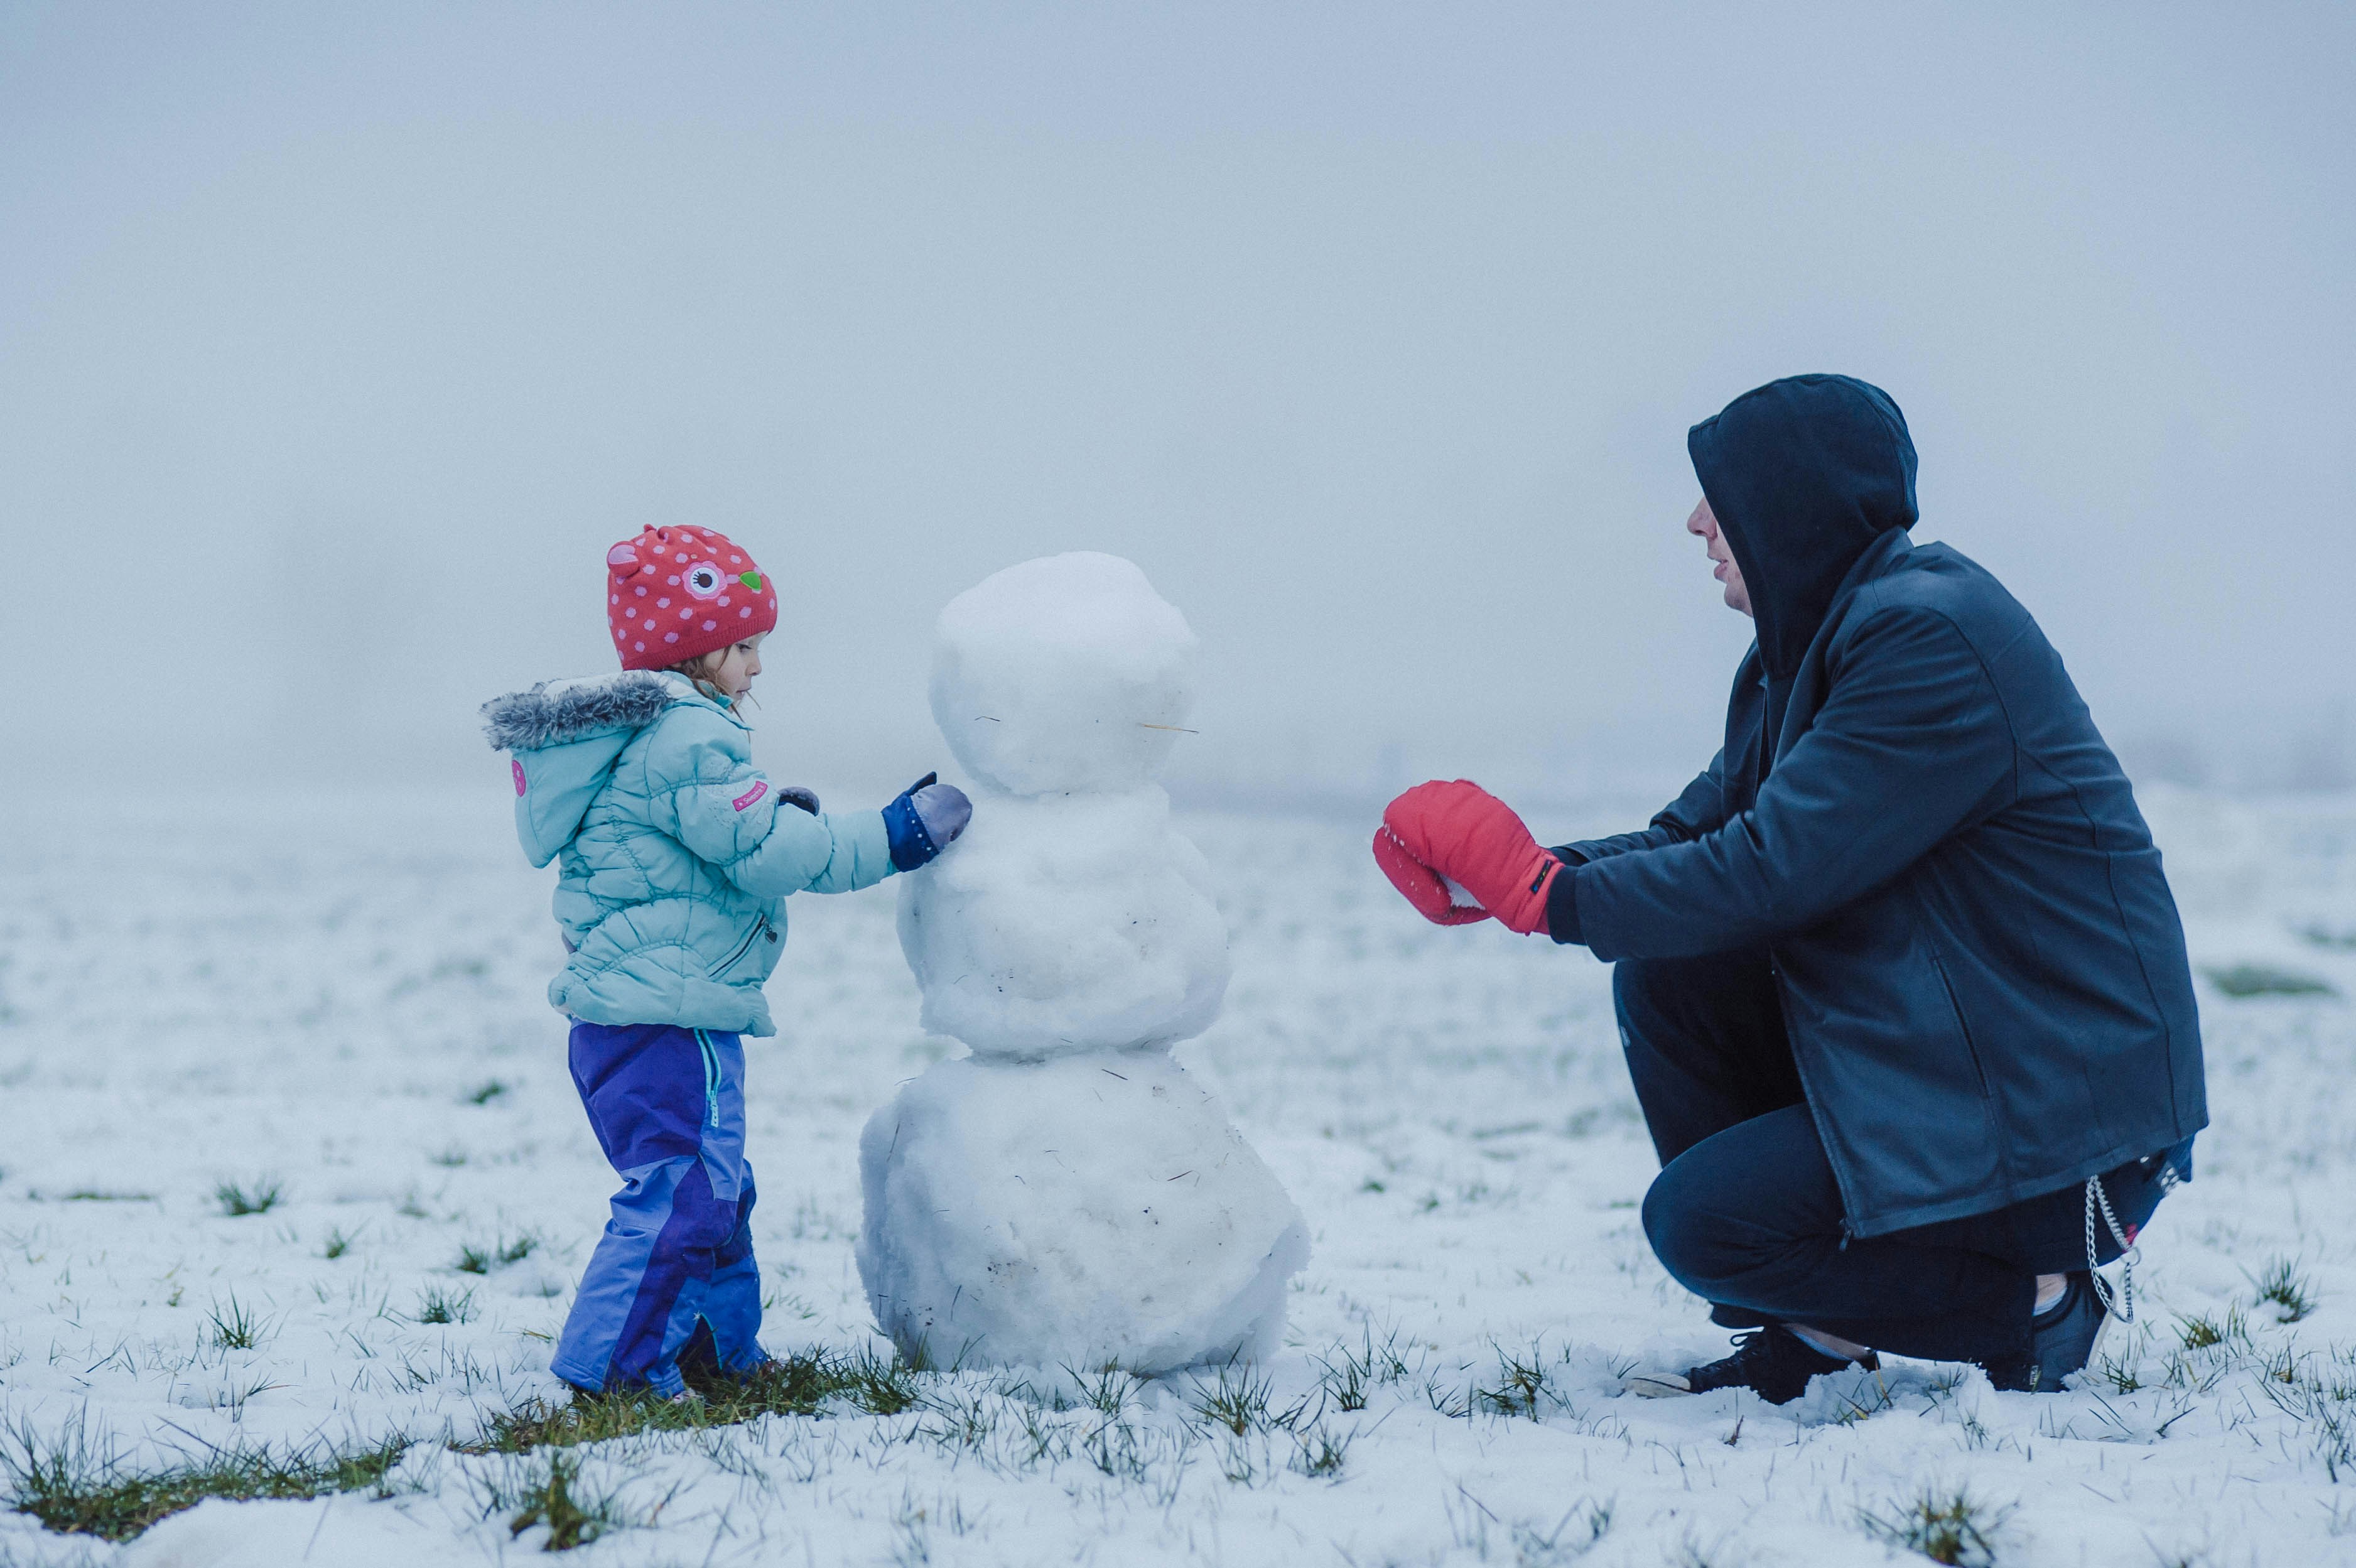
x,y
1703,525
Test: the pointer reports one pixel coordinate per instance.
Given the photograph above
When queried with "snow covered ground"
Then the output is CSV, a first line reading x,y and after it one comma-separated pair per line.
x,y
343,1001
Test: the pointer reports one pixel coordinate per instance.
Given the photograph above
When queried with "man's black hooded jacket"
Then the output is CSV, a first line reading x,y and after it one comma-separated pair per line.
x,y
1982,971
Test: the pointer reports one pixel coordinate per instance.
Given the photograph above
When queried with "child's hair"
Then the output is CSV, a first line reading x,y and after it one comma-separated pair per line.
x,y
702,668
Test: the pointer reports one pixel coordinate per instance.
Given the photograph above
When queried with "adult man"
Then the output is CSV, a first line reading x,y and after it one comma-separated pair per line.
x,y
1902,986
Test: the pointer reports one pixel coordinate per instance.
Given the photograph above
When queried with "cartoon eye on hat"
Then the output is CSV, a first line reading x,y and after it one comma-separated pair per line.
x,y
702,579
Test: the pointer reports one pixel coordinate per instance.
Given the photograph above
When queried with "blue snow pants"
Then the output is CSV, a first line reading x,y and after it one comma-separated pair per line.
x,y
673,1272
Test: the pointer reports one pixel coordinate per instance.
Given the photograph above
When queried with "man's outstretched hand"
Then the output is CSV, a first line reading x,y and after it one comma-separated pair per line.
x,y
1420,885
1459,830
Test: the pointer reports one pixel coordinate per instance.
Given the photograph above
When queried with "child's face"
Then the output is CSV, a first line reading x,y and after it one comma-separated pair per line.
x,y
734,673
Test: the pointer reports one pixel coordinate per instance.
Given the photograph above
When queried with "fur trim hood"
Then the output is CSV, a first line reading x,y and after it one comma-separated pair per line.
x,y
563,738
556,713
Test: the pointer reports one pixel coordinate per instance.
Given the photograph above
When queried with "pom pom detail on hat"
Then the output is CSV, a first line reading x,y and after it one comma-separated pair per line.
x,y
705,565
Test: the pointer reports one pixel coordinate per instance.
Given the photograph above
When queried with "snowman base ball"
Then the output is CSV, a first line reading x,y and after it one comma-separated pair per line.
x,y
1078,1213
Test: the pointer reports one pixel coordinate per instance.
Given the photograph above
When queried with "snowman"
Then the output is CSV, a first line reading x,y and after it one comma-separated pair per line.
x,y
1067,1197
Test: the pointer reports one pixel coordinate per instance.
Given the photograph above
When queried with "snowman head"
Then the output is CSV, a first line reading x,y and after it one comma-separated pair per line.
x,y
1064,675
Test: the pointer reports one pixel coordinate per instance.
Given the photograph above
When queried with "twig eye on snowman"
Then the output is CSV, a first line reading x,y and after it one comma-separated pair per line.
x,y
1066,1198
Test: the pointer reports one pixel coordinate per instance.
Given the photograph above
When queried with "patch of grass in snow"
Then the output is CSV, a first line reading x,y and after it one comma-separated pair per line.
x,y
548,1492
2123,1373
1865,1404
1236,1401
965,1422
1520,1384
912,1543
1347,1374
2204,1331
2285,1285
880,1386
1578,1531
91,1196
499,1255
77,1485
1689,1553
435,1304
487,1093
2244,980
1154,1458
1945,1526
2335,1440
2207,1351
2320,1398
237,1327
458,1366
1105,1391
237,1200
796,1385
1320,1451
338,1244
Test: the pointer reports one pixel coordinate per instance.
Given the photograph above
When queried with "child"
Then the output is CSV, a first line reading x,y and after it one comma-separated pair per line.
x,y
675,856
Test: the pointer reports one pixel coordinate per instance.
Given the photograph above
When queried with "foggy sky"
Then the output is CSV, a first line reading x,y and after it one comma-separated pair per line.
x,y
338,343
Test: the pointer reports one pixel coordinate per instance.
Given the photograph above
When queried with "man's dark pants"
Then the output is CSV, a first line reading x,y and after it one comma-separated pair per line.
x,y
1745,1212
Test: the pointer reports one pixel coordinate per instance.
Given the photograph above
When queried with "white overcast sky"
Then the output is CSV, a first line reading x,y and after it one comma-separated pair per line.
x,y
337,343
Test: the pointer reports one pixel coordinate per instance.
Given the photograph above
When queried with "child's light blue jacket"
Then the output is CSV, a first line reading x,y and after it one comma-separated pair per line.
x,y
675,855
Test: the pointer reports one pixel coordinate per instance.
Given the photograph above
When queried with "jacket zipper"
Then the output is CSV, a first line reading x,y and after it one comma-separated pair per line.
x,y
743,948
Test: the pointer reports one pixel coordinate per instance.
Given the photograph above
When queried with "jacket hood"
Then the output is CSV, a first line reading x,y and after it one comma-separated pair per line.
x,y
563,737
556,712
1803,475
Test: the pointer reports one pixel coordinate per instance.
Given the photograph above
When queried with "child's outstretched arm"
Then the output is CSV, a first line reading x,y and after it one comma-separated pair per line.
x,y
708,795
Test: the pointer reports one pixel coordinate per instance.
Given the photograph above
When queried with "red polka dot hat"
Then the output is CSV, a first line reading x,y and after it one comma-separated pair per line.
x,y
674,592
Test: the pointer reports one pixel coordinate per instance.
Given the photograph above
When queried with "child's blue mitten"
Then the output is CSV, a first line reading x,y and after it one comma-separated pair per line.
x,y
925,820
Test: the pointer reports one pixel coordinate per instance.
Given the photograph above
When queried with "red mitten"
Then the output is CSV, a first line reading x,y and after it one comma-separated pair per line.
x,y
1420,885
1460,831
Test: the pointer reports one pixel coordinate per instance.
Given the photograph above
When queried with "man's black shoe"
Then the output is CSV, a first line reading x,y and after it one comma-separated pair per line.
x,y
2061,1340
1772,1362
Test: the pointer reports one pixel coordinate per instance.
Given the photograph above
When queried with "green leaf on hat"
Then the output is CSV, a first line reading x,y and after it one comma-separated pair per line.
x,y
751,580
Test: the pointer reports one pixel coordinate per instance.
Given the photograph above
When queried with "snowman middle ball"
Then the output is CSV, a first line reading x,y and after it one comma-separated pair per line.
x,y
1067,923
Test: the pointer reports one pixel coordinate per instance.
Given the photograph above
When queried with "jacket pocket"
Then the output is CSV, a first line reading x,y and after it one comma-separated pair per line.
x,y
1963,1028
736,955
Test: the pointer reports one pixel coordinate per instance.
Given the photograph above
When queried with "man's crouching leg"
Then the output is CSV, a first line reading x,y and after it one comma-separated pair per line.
x,y
1752,1218
1705,1042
